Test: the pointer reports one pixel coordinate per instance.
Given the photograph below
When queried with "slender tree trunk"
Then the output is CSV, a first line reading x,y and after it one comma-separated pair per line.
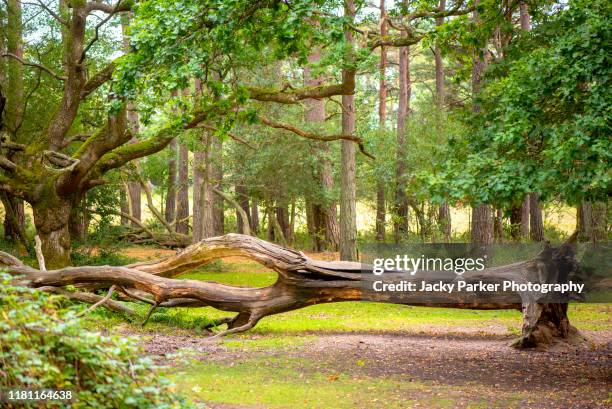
x,y
536,223
348,191
169,214
498,228
255,216
444,216
242,198
217,180
134,190
400,224
182,194
525,217
444,220
482,220
524,15
198,167
14,216
382,119
328,230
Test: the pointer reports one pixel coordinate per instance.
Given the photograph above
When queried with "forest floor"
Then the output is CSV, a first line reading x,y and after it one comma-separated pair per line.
x,y
368,355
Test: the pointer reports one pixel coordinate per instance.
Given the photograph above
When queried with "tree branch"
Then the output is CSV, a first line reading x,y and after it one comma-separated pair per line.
x,y
314,136
290,95
35,65
98,79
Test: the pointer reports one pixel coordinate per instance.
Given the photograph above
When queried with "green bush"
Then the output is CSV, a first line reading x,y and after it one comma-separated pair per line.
x,y
44,345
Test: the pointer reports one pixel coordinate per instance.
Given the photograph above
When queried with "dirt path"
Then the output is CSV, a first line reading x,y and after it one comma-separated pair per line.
x,y
461,365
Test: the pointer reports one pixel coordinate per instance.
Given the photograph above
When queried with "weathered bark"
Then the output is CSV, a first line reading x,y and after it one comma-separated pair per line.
x,y
326,233
482,221
14,220
255,216
134,191
170,212
51,221
444,216
124,205
242,198
382,120
498,226
536,223
444,221
216,179
78,223
303,281
348,184
400,218
592,221
482,225
198,179
182,194
525,211
14,217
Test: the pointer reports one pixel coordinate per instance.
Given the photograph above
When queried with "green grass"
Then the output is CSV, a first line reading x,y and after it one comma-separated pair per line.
x,y
284,382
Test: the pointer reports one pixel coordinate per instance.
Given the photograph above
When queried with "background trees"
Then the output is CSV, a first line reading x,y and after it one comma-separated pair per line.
x,y
319,124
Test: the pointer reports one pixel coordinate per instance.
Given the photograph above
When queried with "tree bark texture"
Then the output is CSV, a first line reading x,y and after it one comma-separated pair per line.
x,y
170,212
536,223
326,231
400,217
303,281
182,193
348,184
382,125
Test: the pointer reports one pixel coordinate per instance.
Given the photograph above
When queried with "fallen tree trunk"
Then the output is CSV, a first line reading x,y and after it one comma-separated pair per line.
x,y
303,281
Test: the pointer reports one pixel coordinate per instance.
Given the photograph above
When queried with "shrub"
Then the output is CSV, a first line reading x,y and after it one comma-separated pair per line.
x,y
43,345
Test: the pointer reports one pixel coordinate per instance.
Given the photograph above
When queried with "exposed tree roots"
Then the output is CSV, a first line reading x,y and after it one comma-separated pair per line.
x,y
301,282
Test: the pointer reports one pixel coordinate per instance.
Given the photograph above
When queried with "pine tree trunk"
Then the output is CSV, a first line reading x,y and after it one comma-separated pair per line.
x,y
348,191
536,223
255,216
482,225
170,214
182,194
444,216
444,220
328,230
134,189
382,120
242,198
498,228
217,180
124,205
198,169
400,223
525,218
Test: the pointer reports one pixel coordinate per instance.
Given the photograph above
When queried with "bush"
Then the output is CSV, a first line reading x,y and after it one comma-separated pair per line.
x,y
43,345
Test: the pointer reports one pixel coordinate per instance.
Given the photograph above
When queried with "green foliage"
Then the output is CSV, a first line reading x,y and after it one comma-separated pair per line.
x,y
43,345
545,121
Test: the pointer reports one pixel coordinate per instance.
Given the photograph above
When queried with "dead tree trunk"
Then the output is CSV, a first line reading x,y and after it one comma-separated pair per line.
x,y
303,281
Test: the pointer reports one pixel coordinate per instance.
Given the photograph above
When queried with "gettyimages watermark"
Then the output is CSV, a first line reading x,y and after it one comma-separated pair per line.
x,y
498,274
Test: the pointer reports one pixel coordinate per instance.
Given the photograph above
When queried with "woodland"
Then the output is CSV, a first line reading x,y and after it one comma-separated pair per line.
x,y
297,134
